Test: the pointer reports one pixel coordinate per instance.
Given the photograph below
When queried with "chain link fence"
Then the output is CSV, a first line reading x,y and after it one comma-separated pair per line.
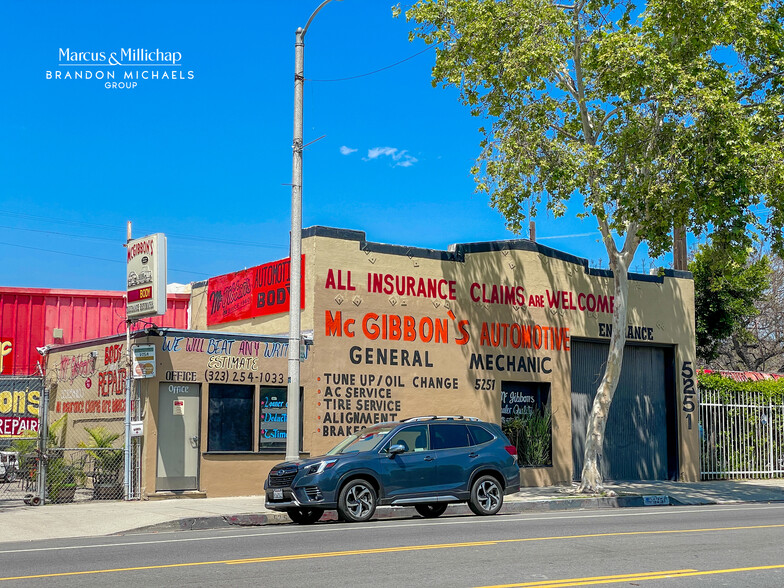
x,y
90,469
67,455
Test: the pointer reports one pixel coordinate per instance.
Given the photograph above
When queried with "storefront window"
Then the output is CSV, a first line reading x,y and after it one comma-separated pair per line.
x,y
230,425
272,419
526,420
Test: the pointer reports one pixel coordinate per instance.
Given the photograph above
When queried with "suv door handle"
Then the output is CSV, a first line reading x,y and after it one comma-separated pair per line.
x,y
428,458
472,454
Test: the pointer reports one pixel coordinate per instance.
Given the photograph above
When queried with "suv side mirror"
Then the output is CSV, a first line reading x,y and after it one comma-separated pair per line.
x,y
397,449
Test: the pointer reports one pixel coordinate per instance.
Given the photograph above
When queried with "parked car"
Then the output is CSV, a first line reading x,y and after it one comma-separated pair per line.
x,y
424,462
9,466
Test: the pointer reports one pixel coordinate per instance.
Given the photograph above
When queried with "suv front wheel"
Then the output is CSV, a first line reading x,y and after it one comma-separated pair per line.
x,y
357,501
486,496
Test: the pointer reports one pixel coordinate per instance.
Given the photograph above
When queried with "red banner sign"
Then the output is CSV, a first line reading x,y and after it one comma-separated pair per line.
x,y
258,291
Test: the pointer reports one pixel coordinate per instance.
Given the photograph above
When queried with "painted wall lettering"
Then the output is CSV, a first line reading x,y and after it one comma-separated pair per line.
x,y
522,336
111,382
355,401
75,366
633,332
585,302
336,280
510,363
411,286
393,357
497,294
112,354
6,357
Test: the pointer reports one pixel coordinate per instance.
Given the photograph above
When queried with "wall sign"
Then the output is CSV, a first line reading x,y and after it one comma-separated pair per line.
x,y
20,400
258,291
143,361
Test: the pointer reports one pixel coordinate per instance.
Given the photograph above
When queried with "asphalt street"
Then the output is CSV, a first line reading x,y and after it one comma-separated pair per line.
x,y
728,545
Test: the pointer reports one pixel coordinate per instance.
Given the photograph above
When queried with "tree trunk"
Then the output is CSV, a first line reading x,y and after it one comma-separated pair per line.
x,y
591,479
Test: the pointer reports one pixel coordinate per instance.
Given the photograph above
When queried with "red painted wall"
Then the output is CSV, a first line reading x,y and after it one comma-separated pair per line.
x,y
28,317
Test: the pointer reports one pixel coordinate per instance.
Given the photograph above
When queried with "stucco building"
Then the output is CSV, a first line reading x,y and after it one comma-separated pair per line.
x,y
484,329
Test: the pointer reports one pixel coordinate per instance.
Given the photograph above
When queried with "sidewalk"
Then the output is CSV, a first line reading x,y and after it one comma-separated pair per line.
x,y
97,518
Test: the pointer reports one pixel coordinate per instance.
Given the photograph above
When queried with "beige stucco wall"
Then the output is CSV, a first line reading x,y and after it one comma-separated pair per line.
x,y
344,303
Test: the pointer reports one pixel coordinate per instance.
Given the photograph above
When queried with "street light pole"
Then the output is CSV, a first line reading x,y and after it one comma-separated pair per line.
x,y
292,416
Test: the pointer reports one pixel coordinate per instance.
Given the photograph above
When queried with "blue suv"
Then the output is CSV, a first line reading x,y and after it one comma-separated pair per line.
x,y
424,462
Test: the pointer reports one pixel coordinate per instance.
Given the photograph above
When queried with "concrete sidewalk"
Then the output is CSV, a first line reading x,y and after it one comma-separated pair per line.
x,y
97,518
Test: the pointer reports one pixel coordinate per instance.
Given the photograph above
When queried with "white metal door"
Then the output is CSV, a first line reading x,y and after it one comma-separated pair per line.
x,y
178,436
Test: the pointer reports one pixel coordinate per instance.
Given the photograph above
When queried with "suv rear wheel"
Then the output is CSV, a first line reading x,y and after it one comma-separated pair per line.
x,y
431,511
486,496
357,501
305,516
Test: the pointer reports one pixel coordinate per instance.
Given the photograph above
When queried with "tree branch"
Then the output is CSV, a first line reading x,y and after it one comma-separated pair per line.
x,y
588,130
566,80
565,133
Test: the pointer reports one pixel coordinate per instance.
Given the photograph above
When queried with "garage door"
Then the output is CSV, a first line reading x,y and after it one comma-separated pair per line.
x,y
640,439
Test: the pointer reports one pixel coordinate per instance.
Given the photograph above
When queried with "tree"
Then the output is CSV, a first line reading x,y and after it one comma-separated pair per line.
x,y
727,285
654,114
757,344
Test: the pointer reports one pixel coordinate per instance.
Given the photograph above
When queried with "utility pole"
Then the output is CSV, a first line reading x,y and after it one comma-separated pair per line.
x,y
295,287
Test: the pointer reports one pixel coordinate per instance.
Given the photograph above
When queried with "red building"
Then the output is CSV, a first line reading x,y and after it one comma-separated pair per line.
x,y
34,317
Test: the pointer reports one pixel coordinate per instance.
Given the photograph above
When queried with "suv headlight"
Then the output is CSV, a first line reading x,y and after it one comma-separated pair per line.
x,y
319,467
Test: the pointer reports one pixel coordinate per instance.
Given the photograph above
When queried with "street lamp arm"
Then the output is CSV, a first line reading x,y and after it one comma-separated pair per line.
x,y
312,16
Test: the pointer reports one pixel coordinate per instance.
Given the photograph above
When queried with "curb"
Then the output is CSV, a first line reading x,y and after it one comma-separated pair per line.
x,y
397,512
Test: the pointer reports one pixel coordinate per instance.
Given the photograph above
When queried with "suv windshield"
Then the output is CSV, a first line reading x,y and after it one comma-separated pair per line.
x,y
365,440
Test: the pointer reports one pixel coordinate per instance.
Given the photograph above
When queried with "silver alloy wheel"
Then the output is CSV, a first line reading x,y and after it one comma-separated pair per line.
x,y
359,500
489,495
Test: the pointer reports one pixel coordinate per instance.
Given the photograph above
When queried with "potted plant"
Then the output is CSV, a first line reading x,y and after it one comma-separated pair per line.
x,y
60,478
107,463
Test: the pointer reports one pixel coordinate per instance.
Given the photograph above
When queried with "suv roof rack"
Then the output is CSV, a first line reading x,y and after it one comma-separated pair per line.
x,y
440,417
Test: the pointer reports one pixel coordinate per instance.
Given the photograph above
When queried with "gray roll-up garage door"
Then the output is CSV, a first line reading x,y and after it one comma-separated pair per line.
x,y
637,445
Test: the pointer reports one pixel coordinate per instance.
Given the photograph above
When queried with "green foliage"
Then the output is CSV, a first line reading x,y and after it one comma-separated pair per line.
x,y
737,439
726,286
25,445
56,433
729,388
657,114
532,434
101,441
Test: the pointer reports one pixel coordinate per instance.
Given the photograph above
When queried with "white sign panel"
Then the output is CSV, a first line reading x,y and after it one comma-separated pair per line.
x,y
137,429
143,361
146,276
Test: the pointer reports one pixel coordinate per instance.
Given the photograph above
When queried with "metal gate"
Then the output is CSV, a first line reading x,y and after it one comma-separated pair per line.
x,y
741,436
636,445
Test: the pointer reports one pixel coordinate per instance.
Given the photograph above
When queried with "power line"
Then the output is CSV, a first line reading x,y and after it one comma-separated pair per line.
x,y
92,257
121,229
370,73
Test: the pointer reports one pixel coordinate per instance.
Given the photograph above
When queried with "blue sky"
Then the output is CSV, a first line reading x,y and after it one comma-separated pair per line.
x,y
207,160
